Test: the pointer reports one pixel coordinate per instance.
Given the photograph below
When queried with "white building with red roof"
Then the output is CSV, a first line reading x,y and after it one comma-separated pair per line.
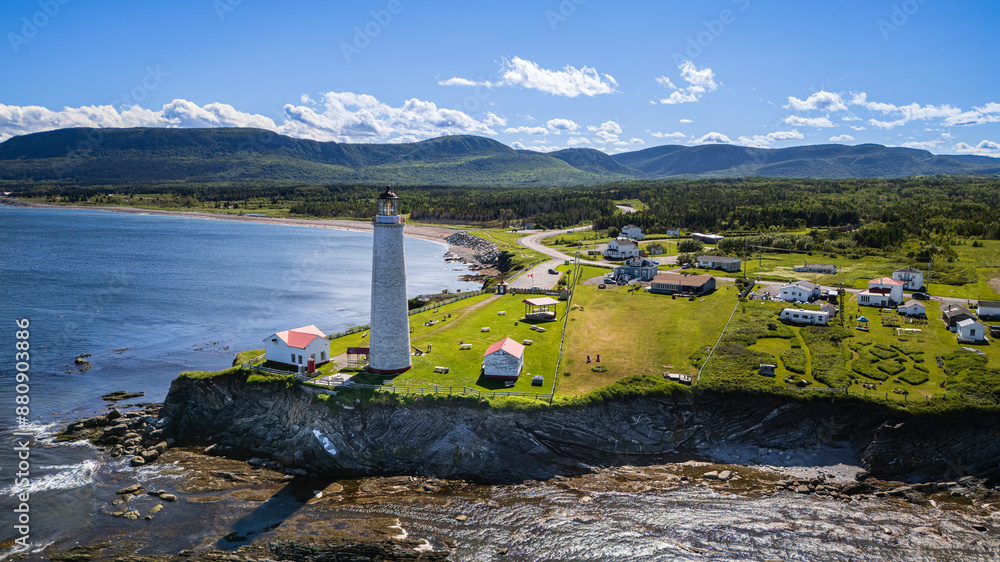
x,y
296,347
882,292
503,360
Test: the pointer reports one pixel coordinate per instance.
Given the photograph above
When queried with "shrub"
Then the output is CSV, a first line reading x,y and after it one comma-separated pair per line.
x,y
882,353
891,368
914,377
866,369
795,360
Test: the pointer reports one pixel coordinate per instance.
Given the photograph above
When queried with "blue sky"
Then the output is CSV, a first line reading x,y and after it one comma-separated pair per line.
x,y
541,75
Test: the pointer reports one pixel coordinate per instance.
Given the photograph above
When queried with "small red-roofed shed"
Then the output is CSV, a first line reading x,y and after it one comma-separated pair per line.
x,y
296,347
503,360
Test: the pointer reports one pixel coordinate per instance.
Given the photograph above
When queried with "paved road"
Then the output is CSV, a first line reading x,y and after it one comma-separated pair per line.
x,y
541,278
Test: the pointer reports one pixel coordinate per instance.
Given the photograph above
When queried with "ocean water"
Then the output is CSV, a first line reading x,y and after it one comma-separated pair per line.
x,y
149,296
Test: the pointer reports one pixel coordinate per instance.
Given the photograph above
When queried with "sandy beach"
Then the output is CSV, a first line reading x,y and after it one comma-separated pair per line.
x,y
425,232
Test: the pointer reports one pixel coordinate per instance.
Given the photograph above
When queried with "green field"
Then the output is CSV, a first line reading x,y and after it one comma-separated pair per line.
x,y
636,333
835,357
464,326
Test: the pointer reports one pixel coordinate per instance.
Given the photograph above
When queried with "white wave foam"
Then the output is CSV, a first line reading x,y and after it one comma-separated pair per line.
x,y
69,477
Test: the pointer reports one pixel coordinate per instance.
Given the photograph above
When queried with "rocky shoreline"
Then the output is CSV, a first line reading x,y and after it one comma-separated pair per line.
x,y
234,442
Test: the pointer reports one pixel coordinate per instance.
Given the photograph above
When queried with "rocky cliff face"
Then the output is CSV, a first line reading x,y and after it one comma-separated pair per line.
x,y
290,428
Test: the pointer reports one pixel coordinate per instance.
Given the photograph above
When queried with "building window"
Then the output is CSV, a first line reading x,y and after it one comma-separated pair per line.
x,y
300,359
322,356
293,358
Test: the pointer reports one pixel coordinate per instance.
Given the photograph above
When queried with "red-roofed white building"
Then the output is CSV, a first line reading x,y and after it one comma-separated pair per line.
x,y
296,347
503,359
882,292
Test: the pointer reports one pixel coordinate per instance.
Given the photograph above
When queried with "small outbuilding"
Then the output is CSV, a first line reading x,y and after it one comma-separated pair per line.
x,y
953,314
970,331
913,307
503,360
541,309
296,347
988,310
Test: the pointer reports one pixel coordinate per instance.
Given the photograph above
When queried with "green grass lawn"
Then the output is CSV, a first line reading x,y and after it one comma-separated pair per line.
x,y
467,318
636,333
838,357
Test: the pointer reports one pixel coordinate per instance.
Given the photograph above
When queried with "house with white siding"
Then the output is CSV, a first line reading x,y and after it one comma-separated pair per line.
x,y
503,360
801,316
296,347
673,232
970,331
799,291
988,310
719,262
912,278
882,292
621,248
632,231
912,307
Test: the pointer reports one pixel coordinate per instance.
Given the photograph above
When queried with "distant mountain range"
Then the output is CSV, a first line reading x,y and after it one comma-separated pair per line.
x,y
223,156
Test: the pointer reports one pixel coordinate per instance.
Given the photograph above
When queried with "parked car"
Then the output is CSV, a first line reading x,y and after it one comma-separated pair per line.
x,y
687,266
553,272
921,296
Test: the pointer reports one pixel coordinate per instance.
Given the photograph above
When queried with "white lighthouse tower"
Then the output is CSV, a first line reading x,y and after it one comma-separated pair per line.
x,y
389,348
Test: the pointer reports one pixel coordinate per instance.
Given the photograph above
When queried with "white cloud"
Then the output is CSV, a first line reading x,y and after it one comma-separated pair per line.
x,y
922,145
905,113
545,148
494,120
350,117
336,116
527,130
818,122
664,81
635,140
700,82
984,148
518,146
842,138
607,132
577,140
456,81
858,127
765,141
569,82
713,137
821,100
677,135
686,120
561,125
